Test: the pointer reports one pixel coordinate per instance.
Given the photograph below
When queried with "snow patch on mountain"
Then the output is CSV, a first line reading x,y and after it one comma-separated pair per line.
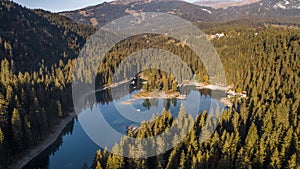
x,y
287,4
206,10
279,5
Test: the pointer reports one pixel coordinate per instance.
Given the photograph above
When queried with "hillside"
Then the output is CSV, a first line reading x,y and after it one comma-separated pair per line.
x,y
259,52
261,131
36,52
269,8
224,3
274,11
104,13
32,37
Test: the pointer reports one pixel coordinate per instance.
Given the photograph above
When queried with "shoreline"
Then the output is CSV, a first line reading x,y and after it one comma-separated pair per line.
x,y
226,102
38,149
158,95
52,137
198,85
201,85
113,85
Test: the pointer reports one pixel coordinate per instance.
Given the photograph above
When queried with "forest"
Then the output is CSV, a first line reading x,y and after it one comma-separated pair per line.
x,y
35,80
262,132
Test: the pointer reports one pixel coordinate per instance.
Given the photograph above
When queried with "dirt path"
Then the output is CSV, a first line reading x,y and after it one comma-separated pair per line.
x,y
50,139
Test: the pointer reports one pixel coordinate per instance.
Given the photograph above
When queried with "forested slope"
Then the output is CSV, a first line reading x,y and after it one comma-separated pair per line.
x,y
35,95
32,38
261,132
38,51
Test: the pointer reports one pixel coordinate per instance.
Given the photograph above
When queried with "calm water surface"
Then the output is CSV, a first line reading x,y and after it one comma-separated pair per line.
x,y
74,149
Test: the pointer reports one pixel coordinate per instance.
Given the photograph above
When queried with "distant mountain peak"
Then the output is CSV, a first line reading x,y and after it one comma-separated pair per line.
x,y
287,4
127,2
101,14
224,3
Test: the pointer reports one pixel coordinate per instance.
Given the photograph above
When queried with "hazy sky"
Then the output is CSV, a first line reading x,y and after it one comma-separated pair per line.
x,y
62,5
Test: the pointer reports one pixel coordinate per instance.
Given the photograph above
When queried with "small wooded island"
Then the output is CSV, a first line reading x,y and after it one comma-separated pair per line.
x,y
159,84
155,83
158,94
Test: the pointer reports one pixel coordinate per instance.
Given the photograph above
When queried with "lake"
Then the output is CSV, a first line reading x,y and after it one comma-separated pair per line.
x,y
74,149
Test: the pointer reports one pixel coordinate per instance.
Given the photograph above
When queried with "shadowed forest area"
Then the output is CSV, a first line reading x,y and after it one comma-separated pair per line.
x,y
38,53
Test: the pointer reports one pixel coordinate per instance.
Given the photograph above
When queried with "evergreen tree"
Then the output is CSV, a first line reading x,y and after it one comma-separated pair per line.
x,y
17,129
3,111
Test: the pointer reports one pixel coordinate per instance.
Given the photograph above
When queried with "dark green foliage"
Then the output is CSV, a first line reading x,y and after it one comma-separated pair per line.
x,y
36,48
31,108
159,80
36,51
35,38
261,131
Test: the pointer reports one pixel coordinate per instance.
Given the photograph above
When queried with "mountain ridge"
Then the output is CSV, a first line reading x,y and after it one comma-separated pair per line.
x,y
224,3
101,14
127,2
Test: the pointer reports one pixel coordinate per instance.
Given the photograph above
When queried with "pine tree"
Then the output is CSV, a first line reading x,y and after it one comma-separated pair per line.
x,y
116,160
1,136
60,113
173,159
98,166
3,160
251,141
17,129
275,159
3,111
183,161
292,164
28,134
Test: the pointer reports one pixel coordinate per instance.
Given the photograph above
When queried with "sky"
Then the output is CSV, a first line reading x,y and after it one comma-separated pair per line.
x,y
61,5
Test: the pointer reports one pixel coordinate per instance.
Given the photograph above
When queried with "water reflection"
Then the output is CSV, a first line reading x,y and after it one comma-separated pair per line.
x,y
74,148
42,161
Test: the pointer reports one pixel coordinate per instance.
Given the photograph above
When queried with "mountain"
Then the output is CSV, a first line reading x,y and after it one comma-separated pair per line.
x,y
268,4
269,8
275,11
127,2
31,37
224,3
104,13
